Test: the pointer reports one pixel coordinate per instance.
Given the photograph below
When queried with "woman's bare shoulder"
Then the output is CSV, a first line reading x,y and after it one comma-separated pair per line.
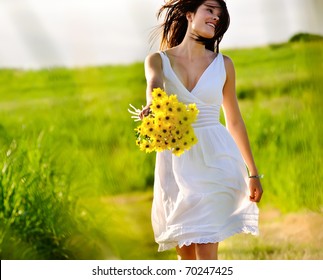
x,y
153,65
227,60
228,63
153,59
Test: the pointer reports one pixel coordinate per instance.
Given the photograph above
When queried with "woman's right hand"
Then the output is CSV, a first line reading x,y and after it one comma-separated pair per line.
x,y
145,112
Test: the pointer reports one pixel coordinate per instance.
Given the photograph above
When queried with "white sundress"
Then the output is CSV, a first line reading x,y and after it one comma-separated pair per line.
x,y
201,196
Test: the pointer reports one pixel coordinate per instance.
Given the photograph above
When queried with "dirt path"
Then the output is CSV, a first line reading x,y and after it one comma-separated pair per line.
x,y
300,228
282,236
295,236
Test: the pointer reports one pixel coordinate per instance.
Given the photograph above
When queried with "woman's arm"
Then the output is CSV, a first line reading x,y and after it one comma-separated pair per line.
x,y
237,128
154,78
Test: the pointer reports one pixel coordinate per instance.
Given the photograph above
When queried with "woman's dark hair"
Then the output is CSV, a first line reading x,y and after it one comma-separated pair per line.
x,y
175,23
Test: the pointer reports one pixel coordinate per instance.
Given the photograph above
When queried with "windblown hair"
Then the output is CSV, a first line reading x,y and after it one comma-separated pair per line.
x,y
175,23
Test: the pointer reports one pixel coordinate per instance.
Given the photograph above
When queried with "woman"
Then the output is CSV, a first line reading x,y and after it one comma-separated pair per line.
x,y
205,195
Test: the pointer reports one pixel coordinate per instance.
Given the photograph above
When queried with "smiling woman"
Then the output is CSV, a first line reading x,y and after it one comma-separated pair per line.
x,y
204,196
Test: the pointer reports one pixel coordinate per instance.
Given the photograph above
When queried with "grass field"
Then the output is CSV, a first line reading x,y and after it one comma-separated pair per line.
x,y
73,185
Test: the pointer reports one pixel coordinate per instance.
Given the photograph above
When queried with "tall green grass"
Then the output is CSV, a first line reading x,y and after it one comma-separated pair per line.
x,y
66,141
35,201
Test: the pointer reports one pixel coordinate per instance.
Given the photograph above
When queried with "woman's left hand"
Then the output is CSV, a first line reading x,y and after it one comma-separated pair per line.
x,y
255,189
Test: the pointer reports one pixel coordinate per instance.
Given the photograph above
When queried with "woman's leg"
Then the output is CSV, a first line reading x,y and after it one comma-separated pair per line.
x,y
207,251
186,252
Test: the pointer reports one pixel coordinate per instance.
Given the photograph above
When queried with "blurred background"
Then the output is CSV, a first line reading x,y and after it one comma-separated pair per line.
x,y
73,184
43,33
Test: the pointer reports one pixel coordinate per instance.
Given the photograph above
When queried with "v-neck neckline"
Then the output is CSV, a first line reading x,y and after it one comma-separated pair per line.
x,y
198,81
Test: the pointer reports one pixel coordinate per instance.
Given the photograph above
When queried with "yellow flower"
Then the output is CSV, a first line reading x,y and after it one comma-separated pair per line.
x,y
158,105
184,144
180,108
192,140
192,107
162,127
190,117
146,146
158,93
173,99
178,151
184,120
189,137
177,133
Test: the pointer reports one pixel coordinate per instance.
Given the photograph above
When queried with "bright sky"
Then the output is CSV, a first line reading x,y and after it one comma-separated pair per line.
x,y
45,33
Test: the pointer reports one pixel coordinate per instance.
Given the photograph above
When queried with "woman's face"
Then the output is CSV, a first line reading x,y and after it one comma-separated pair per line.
x,y
204,21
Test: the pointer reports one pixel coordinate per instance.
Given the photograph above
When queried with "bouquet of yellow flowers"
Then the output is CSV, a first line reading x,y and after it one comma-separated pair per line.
x,y
168,125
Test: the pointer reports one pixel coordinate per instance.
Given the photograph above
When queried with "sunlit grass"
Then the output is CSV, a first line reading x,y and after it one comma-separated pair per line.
x,y
71,136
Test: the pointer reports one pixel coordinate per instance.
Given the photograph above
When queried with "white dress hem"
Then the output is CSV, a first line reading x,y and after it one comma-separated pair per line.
x,y
253,230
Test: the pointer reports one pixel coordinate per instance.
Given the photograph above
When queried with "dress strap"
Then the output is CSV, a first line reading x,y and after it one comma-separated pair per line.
x,y
164,59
